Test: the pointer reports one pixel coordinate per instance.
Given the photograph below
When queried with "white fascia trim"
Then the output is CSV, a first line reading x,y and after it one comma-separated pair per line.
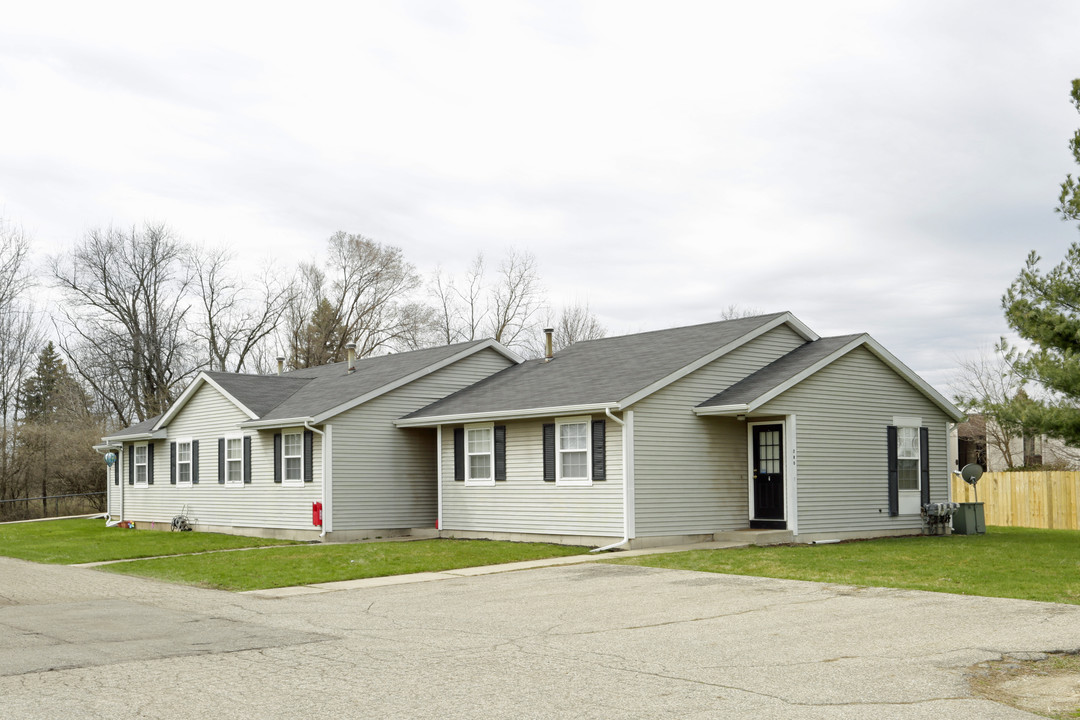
x,y
190,391
279,423
426,370
891,360
140,437
494,415
105,447
739,409
786,319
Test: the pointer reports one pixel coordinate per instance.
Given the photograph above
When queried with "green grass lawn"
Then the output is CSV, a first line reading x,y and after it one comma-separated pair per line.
x,y
302,565
77,541
1023,563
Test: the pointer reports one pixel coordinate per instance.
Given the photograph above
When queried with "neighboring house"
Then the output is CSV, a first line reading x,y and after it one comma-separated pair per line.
x,y
981,441
251,453
686,433
659,437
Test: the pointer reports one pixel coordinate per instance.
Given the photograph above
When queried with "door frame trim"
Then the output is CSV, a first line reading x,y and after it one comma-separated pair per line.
x,y
788,438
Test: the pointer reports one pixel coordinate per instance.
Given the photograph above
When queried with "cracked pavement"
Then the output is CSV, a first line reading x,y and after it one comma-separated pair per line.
x,y
581,641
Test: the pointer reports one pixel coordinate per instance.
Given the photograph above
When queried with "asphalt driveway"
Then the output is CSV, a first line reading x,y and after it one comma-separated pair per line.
x,y
583,641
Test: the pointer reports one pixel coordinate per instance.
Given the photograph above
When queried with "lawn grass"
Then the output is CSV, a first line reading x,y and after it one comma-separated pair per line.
x,y
303,565
65,542
1024,563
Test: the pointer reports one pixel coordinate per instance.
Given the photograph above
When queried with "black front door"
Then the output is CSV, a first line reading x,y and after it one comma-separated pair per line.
x,y
768,471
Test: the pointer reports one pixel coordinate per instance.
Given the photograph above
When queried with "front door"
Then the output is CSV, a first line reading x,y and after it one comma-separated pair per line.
x,y
768,481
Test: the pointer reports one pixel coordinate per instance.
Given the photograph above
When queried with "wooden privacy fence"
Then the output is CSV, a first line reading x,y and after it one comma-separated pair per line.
x,y
1026,499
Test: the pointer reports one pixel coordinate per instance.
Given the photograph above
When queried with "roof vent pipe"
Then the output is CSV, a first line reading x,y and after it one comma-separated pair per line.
x,y
351,347
280,364
547,343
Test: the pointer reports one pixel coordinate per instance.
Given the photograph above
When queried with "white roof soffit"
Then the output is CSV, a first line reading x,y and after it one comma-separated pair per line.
x,y
494,415
190,391
785,319
426,370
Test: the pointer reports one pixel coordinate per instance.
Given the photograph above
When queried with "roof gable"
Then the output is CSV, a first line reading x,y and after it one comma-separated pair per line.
x,y
610,372
777,377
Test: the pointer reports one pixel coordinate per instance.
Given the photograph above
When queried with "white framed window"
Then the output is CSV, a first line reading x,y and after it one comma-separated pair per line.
x,y
142,468
292,458
907,458
184,458
480,454
572,452
234,460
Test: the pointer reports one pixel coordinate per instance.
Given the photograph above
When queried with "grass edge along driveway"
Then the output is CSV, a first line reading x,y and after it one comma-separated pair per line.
x,y
73,541
308,564
1021,563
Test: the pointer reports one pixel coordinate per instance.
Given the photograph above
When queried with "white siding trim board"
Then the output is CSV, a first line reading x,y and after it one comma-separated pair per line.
x,y
502,415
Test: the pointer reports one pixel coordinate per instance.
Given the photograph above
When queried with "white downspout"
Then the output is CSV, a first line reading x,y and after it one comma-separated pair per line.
x,y
438,478
628,479
109,522
325,506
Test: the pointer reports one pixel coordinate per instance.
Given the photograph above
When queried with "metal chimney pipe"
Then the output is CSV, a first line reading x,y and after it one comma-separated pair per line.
x,y
548,332
351,347
280,364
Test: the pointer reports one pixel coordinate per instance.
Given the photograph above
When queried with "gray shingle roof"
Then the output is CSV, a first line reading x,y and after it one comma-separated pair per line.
x,y
328,386
778,372
312,391
596,371
137,429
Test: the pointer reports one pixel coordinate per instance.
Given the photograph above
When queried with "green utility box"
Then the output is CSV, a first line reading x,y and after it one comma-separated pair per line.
x,y
969,519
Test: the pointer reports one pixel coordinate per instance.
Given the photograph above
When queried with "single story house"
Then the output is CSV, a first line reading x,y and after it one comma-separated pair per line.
x,y
689,433
669,436
252,454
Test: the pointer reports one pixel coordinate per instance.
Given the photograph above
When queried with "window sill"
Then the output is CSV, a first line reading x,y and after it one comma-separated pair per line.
x,y
574,483
479,483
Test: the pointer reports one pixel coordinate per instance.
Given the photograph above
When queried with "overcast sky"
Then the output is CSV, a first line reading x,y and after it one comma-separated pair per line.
x,y
880,167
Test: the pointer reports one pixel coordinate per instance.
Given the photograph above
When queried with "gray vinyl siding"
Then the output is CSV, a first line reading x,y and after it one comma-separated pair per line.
x,y
384,477
690,472
524,503
262,503
841,415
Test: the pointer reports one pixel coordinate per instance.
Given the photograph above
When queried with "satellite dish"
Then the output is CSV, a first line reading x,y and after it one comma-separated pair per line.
x,y
971,473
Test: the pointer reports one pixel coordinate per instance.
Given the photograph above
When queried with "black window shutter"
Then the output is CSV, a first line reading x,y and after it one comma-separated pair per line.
x,y
549,452
459,453
894,477
277,457
599,450
924,464
500,452
116,467
194,462
221,461
247,458
131,464
172,463
309,445
149,463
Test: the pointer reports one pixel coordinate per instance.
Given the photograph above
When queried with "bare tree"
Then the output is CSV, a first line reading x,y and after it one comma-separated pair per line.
x,y
735,311
983,386
576,323
20,337
462,308
364,295
235,319
516,299
123,325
